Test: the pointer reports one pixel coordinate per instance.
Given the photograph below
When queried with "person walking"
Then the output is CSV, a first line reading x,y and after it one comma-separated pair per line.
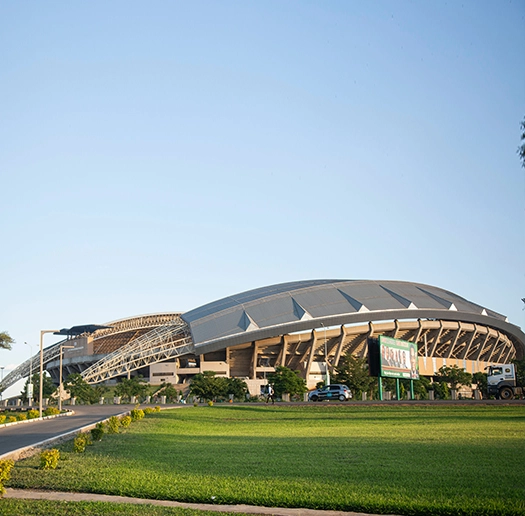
x,y
270,394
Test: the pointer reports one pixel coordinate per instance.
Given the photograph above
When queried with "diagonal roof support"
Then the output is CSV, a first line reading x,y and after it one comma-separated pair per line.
x,y
160,344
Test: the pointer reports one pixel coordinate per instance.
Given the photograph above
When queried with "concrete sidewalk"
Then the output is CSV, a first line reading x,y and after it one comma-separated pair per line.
x,y
247,509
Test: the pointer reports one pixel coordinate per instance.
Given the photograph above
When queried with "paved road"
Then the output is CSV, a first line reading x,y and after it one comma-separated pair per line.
x,y
19,436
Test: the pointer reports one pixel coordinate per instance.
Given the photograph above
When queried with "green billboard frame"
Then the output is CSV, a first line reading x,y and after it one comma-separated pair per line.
x,y
398,359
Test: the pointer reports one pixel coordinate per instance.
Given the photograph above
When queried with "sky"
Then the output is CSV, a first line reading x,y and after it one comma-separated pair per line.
x,y
157,156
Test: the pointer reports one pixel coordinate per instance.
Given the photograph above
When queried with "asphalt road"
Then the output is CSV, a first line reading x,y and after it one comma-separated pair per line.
x,y
19,436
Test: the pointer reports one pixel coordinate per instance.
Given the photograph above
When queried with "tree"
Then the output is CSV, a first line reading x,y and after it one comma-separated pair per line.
x,y
422,386
5,340
83,391
521,148
167,389
519,366
48,387
441,390
129,387
454,376
207,385
284,380
480,379
353,372
237,388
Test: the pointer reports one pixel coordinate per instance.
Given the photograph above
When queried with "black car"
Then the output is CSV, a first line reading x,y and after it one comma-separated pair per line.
x,y
335,391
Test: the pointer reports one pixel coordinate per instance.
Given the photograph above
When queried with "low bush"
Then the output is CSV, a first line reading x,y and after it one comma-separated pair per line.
x,y
210,403
5,469
12,419
49,459
2,419
148,410
80,443
137,414
98,432
33,414
157,409
125,421
22,416
113,425
51,411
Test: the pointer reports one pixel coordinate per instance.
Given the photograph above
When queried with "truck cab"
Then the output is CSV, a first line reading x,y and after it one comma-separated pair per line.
x,y
501,381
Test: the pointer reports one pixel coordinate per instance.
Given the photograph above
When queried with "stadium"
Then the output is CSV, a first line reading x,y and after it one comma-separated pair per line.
x,y
306,326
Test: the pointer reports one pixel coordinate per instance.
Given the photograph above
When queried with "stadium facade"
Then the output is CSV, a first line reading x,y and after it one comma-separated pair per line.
x,y
306,326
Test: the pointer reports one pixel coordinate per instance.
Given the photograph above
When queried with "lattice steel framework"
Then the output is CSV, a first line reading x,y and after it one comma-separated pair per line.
x,y
160,344
23,370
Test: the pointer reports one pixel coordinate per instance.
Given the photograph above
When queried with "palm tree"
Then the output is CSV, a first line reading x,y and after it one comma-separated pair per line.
x,y
5,340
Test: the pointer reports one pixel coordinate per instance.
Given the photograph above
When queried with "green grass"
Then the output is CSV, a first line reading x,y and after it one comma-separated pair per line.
x,y
10,507
442,460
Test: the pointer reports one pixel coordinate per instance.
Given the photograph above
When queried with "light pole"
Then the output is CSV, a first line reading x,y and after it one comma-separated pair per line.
x,y
30,384
1,380
60,380
41,396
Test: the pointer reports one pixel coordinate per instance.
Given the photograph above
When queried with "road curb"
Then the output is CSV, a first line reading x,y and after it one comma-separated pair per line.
x,y
28,451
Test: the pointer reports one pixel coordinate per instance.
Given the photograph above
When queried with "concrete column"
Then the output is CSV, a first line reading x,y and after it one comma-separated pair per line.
x,y
431,395
286,397
101,401
116,400
163,400
148,399
453,394
73,401
477,394
133,400
363,396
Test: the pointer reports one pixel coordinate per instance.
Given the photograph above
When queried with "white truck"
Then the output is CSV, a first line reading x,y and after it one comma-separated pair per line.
x,y
501,382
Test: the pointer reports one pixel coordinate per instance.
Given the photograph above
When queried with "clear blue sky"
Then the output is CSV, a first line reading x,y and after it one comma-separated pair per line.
x,y
156,156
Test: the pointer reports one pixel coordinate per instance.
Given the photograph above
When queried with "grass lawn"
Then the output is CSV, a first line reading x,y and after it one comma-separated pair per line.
x,y
413,460
47,508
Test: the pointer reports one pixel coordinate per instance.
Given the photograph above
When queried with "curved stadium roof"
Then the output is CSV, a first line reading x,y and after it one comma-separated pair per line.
x,y
289,307
277,310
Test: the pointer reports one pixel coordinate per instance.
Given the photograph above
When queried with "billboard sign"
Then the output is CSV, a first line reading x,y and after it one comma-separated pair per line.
x,y
398,358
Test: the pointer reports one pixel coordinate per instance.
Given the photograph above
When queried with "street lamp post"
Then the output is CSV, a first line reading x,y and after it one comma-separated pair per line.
x,y
1,380
41,396
30,384
60,380
74,330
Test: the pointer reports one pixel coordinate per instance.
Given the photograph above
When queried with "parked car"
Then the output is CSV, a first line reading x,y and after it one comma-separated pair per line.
x,y
331,392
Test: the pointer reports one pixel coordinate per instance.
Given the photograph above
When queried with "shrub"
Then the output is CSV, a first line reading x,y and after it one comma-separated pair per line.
x,y
33,414
5,469
113,425
148,410
51,411
21,417
80,443
97,433
137,414
2,419
210,403
12,419
49,459
125,421
157,409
